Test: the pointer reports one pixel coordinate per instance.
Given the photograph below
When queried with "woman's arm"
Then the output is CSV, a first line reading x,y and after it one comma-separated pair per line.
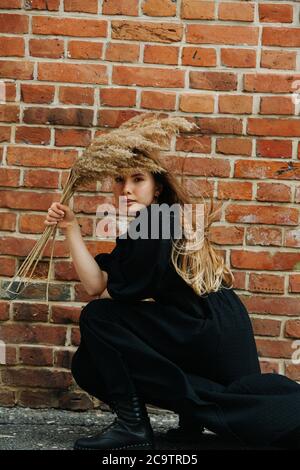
x,y
92,277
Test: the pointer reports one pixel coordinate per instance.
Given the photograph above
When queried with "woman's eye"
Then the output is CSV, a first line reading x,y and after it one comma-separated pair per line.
x,y
138,179
117,179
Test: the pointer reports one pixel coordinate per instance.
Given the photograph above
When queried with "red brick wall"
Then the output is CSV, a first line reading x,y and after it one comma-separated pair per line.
x,y
73,68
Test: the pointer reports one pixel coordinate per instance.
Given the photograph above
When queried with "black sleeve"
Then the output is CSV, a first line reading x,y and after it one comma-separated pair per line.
x,y
103,260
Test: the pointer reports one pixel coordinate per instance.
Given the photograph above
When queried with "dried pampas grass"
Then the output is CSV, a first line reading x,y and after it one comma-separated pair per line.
x,y
134,144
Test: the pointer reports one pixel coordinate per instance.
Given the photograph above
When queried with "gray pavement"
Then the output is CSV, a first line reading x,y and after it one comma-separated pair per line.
x,y
53,429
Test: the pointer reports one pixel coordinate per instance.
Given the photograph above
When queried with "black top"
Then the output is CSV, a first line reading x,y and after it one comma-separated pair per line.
x,y
142,268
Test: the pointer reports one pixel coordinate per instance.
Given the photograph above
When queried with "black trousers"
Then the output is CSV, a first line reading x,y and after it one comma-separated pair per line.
x,y
113,362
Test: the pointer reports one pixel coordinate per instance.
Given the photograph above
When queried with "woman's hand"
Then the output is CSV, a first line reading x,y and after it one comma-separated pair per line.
x,y
60,215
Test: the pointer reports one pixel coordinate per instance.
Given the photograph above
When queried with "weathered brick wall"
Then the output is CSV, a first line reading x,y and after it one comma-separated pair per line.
x,y
73,68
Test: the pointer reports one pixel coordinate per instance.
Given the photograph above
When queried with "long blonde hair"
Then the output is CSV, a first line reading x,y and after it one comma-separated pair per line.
x,y
201,268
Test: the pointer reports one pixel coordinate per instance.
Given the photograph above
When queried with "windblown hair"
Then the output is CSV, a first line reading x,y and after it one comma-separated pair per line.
x,y
201,267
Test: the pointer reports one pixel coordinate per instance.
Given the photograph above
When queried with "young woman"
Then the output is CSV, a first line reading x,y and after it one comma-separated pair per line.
x,y
191,350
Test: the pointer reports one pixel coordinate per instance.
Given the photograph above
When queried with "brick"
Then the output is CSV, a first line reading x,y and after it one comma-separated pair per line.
x,y
41,179
159,8
38,399
199,56
222,81
264,236
233,12
275,13
60,116
194,143
12,46
84,50
227,235
292,238
4,311
197,10
77,401
294,283
282,37
68,26
65,314
63,358
13,4
15,24
77,5
206,167
148,76
292,329
274,127
114,118
9,177
146,31
234,146
220,125
267,261
261,170
43,378
292,371
198,187
53,48
278,60
37,93
76,95
16,69
75,336
239,280
5,132
219,34
25,200
276,105
274,148
157,100
234,190
196,103
8,265
240,58
272,348
73,73
266,326
297,195
33,135
269,367
9,113
118,52
235,104
273,192
34,334
30,312
266,283
255,214
161,54
50,5
36,356
37,157
71,137
268,83
7,397
65,271
120,7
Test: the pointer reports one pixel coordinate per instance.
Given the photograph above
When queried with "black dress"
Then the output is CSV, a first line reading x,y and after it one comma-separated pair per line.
x,y
182,352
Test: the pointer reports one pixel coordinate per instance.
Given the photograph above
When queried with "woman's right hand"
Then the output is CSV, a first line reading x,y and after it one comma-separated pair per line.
x,y
60,215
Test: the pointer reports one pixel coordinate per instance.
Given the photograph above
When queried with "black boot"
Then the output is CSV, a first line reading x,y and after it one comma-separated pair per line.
x,y
187,430
130,430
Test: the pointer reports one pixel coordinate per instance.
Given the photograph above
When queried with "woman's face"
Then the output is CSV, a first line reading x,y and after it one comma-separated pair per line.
x,y
138,187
